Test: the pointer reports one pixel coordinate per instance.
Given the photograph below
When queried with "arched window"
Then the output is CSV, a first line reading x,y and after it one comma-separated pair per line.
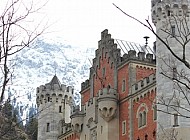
x,y
146,137
142,115
144,118
140,119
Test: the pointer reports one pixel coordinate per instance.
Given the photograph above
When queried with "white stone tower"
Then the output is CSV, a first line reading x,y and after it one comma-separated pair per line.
x,y
172,22
54,104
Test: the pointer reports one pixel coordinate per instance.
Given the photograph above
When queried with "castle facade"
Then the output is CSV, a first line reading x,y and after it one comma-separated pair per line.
x,y
129,94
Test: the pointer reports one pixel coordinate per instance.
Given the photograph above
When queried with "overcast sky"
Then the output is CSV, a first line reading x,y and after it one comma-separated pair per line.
x,y
80,22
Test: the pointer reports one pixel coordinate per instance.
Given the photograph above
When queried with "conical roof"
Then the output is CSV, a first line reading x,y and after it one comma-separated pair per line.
x,y
54,81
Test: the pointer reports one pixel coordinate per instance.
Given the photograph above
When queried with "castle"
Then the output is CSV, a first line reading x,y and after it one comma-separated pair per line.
x,y
119,101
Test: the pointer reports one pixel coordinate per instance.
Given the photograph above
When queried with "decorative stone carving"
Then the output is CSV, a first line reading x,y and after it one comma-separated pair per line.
x,y
77,120
93,134
107,103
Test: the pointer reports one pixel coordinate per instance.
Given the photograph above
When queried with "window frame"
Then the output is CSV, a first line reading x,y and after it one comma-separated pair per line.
x,y
175,120
48,127
173,32
123,131
123,85
60,109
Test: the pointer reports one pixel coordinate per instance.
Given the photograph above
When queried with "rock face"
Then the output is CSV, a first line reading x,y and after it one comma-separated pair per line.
x,y
37,65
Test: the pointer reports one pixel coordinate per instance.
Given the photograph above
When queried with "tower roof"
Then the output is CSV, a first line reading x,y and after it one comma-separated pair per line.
x,y
54,81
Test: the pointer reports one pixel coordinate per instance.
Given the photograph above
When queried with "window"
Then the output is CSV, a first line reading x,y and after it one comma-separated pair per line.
x,y
168,12
173,31
48,99
176,120
48,127
146,137
123,127
142,119
60,109
142,115
155,112
101,129
103,72
174,73
67,89
123,85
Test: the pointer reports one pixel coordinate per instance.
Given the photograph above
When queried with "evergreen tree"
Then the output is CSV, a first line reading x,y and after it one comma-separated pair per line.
x,y
10,128
32,128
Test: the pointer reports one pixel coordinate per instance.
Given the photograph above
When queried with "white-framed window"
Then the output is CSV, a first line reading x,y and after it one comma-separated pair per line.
x,y
123,85
123,127
142,118
176,120
142,115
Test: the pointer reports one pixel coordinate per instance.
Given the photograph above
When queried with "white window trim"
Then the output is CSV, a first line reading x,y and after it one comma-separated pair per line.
x,y
123,85
173,120
138,114
123,127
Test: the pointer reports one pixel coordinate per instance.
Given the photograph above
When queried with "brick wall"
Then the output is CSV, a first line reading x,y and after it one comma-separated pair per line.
x,y
142,72
150,128
123,74
123,116
85,96
108,79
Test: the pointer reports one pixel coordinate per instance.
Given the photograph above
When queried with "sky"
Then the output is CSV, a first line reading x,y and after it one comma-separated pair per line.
x,y
80,22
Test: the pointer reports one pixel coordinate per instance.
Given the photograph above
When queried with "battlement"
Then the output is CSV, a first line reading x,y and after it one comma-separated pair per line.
x,y
77,117
49,88
54,92
85,85
107,103
161,9
141,56
143,83
107,93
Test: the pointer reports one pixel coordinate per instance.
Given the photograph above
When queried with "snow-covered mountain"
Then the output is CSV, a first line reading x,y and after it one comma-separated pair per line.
x,y
38,64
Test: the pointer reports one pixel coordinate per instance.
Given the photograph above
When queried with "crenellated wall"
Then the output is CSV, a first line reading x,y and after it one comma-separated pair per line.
x,y
96,117
144,83
162,9
140,56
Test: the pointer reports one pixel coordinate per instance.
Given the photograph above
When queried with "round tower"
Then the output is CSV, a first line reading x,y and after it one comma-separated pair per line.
x,y
172,22
54,104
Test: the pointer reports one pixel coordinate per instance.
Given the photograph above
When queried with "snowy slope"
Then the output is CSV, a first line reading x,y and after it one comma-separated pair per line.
x,y
38,64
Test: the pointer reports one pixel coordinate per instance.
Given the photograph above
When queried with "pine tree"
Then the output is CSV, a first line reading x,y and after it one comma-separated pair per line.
x,y
32,128
10,128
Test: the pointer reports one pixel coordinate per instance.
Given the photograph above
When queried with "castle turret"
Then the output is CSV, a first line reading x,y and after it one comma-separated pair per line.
x,y
53,100
107,103
171,18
